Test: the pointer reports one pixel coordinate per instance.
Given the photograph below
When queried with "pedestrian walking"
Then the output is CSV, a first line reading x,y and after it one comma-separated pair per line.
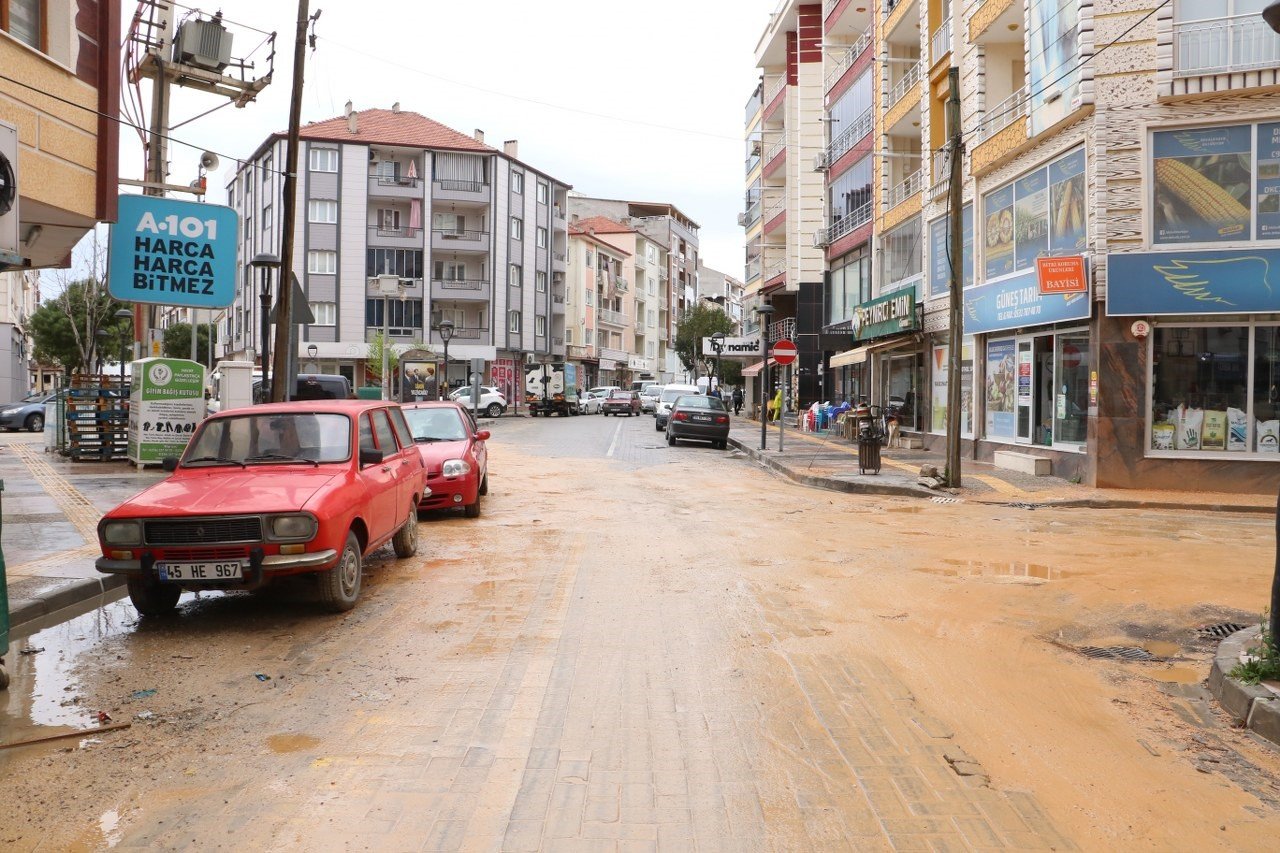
x,y
737,401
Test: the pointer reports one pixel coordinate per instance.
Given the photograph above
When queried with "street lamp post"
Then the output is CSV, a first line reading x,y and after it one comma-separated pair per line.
x,y
264,262
446,333
764,312
717,344
388,286
127,315
312,352
1271,15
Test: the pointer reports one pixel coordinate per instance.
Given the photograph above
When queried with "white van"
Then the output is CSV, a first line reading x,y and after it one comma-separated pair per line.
x,y
669,395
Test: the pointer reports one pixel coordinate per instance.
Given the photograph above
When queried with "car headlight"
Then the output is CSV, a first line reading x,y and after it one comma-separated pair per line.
x,y
11,412
455,468
292,527
122,532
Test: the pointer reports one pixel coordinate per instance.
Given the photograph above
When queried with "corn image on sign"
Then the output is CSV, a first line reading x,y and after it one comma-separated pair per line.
x,y
1202,185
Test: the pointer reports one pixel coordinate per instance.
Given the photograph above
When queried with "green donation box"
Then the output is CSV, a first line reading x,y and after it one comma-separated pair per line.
x,y
165,405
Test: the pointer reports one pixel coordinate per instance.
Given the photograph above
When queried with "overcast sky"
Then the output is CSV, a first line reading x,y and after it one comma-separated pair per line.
x,y
640,101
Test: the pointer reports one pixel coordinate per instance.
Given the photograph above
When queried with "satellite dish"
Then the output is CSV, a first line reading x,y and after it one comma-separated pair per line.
x,y
209,161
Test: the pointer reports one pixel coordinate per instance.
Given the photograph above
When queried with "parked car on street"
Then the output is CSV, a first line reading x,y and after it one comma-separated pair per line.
x,y
700,417
454,453
621,402
591,401
27,413
669,395
492,401
649,398
268,491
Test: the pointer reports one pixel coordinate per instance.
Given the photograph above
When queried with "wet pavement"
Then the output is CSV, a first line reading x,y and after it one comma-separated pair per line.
x,y
643,647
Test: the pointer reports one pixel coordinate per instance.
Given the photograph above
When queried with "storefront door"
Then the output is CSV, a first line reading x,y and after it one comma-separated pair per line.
x,y
1026,399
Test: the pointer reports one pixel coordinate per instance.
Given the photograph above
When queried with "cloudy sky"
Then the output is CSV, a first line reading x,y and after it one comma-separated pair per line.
x,y
627,100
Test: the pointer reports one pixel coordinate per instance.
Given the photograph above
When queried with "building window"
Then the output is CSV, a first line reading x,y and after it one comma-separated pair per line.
x,y
326,313
517,182
588,337
322,262
515,275
320,210
406,263
543,192
850,285
940,251
542,237
517,228
540,281
568,336
324,159
266,218
403,316
941,368
1041,213
1218,36
540,326
22,19
901,262
450,271
590,259
513,322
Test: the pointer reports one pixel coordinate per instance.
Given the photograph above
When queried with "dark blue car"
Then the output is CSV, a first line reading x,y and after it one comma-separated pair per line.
x,y
27,413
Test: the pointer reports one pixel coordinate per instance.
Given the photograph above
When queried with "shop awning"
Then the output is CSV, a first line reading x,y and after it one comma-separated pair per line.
x,y
754,370
853,356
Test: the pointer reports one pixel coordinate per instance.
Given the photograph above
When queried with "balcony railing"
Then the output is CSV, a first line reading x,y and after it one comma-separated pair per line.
x,y
774,209
910,81
1004,114
774,150
940,167
460,283
394,231
774,88
462,186
559,256
615,354
940,44
462,335
774,269
909,187
849,136
663,334
616,318
1218,46
845,224
450,234
847,59
782,330
394,180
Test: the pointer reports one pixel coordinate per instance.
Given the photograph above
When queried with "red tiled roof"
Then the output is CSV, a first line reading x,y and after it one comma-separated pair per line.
x,y
392,128
599,225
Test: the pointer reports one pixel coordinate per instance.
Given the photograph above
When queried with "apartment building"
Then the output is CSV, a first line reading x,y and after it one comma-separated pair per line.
x,y
1118,316
474,234
611,326
672,263
19,298
63,92
723,290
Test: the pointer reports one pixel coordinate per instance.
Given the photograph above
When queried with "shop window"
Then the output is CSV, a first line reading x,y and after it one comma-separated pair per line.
x,y
900,388
1200,390
1041,213
1071,388
941,372
902,264
1001,388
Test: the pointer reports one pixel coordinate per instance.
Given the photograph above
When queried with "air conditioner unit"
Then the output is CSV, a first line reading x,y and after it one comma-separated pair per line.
x,y
820,239
756,148
8,193
205,44
820,163
742,219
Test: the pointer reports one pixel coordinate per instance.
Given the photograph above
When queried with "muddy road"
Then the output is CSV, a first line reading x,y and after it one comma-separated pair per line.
x,y
641,647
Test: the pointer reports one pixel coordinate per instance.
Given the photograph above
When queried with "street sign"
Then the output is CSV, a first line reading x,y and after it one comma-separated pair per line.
x,y
169,252
748,348
784,352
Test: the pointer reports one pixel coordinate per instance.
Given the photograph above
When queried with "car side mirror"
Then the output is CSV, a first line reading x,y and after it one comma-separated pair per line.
x,y
370,456
483,435
169,463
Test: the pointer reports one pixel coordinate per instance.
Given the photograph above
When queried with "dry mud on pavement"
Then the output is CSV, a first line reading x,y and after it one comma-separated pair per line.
x,y
638,647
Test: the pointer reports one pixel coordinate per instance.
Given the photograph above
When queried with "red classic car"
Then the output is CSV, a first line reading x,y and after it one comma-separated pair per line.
x,y
454,453
268,491
621,402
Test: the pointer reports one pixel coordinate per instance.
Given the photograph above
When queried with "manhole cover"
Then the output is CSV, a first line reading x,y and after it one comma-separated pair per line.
x,y
1220,630
1117,653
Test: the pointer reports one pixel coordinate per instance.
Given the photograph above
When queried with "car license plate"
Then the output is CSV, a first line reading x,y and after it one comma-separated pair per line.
x,y
223,570
702,419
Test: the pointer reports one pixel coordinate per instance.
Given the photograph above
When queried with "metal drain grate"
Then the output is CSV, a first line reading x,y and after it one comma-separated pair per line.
x,y
1117,653
946,500
1220,630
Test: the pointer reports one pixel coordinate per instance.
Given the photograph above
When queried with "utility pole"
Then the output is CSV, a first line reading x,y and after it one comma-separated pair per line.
x,y
285,328
955,224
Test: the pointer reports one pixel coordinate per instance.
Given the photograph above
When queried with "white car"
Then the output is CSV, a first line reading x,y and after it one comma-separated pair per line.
x,y
667,399
492,401
590,402
649,398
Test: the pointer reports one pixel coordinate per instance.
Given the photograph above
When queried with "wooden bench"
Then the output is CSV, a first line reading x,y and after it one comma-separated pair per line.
x,y
1027,463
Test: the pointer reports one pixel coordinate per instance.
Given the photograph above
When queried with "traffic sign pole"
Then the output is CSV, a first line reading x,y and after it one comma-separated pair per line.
x,y
784,352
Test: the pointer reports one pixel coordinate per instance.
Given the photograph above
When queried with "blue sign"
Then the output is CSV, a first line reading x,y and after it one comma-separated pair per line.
x,y
169,252
1017,301
1234,281
940,250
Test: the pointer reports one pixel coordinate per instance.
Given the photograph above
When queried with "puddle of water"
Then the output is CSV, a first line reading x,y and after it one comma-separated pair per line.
x,y
1177,675
283,743
906,509
978,568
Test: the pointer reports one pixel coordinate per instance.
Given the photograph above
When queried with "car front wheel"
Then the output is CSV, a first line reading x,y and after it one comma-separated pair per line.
x,y
494,410
405,541
35,422
340,586
150,597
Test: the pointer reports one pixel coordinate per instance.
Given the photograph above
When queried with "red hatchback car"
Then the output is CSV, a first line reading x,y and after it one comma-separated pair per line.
x,y
267,491
454,453
621,403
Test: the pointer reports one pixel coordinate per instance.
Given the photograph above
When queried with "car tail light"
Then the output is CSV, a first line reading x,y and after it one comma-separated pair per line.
x,y
679,416
722,419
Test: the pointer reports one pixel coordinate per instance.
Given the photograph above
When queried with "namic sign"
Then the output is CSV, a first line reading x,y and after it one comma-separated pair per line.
x,y
748,348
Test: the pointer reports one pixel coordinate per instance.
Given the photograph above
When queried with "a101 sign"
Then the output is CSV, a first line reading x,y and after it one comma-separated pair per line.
x,y
169,252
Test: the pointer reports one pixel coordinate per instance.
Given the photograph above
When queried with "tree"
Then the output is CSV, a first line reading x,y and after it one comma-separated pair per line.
x,y
64,329
373,363
177,342
700,321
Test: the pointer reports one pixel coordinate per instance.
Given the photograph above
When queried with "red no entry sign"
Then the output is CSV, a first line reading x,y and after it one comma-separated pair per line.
x,y
784,352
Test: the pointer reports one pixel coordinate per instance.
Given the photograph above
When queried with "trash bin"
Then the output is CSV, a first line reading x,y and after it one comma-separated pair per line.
x,y
4,606
869,455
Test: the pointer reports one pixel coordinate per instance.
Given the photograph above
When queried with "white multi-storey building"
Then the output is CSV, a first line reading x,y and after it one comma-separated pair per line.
x,y
475,235
19,298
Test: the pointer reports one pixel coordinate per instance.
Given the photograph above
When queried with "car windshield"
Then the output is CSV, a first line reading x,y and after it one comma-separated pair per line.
x,y
435,424
697,401
620,395
672,396
270,437
37,397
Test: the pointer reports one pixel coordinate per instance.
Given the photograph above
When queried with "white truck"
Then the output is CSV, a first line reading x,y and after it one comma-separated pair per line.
x,y
551,389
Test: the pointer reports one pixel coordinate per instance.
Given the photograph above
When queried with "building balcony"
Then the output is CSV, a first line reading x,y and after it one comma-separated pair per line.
x,y
940,43
775,269
450,190
380,235
662,303
906,188
842,226
850,137
1003,114
1223,45
846,60
559,262
386,186
467,335
663,334
940,172
557,214
619,355
460,289
580,351
775,152
459,241
908,84
613,318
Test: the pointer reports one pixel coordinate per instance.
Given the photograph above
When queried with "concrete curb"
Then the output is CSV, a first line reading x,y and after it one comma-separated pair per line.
x,y
848,486
1253,707
29,611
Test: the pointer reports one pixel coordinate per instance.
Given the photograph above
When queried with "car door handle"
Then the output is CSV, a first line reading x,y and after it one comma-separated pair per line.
x,y
386,469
